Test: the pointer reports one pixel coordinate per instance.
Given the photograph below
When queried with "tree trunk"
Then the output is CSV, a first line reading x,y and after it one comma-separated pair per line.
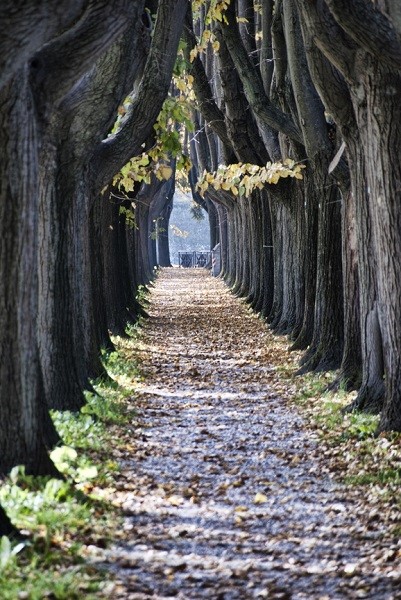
x,y
382,146
351,366
6,527
267,289
22,405
309,246
106,211
163,249
371,393
326,349
68,336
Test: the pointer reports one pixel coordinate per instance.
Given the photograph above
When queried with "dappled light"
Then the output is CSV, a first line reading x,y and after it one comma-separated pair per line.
x,y
224,492
200,299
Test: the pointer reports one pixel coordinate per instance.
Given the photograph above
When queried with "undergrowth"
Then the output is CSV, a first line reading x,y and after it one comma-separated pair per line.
x,y
64,521
349,443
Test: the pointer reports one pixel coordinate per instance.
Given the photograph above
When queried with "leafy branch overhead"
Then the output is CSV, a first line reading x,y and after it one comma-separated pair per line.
x,y
167,146
174,119
242,179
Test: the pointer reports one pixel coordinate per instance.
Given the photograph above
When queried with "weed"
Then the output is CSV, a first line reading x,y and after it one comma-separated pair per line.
x,y
61,518
53,513
362,425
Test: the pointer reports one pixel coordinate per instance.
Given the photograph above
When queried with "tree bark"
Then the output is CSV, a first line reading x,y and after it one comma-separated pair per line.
x,y
26,26
22,406
6,527
114,152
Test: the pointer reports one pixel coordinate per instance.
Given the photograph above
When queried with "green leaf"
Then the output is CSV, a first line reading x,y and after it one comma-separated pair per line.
x,y
63,454
86,473
5,550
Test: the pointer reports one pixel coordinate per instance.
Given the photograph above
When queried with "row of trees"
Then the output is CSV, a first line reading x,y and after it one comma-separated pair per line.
x,y
320,259
307,82
70,259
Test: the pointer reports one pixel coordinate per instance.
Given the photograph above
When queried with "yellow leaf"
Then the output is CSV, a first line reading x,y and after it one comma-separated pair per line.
x,y
216,45
166,172
181,85
274,178
260,498
144,161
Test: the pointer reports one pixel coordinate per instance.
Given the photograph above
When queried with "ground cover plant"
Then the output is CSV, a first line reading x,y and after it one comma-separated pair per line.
x,y
64,521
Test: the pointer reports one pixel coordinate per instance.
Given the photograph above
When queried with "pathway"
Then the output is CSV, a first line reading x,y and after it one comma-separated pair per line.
x,y
227,500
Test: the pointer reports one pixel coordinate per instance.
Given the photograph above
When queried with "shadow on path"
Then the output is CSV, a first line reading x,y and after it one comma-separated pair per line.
x,y
226,499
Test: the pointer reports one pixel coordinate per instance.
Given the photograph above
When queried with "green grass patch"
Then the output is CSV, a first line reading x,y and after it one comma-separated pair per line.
x,y
58,521
361,425
61,518
348,443
381,477
325,409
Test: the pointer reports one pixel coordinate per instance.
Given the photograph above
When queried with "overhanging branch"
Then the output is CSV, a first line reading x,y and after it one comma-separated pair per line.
x,y
254,91
370,28
114,152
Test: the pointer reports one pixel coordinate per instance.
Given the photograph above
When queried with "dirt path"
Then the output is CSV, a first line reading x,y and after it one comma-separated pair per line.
x,y
226,499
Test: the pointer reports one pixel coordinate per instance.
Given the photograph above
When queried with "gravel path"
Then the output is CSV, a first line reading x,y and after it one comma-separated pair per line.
x,y
224,495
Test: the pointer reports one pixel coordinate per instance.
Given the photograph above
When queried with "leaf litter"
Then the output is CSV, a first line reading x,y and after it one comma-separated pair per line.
x,y
227,492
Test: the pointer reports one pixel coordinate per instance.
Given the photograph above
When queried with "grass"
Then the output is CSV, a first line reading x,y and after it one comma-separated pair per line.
x,y
347,443
62,521
384,477
57,521
324,409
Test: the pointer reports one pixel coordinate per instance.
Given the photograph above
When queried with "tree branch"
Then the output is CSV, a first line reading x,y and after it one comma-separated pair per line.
x,y
369,28
254,91
26,26
309,106
329,82
103,86
203,92
328,36
241,126
60,64
266,51
114,152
